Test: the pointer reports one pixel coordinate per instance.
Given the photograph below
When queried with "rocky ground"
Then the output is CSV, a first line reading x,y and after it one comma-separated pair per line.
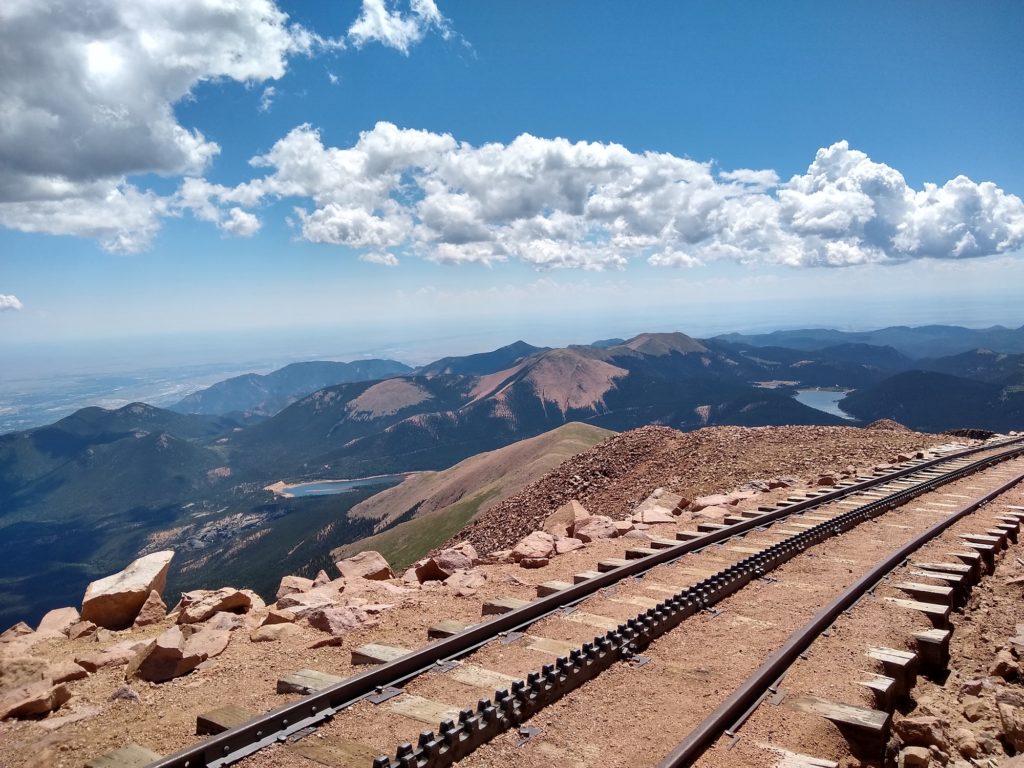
x,y
615,476
125,669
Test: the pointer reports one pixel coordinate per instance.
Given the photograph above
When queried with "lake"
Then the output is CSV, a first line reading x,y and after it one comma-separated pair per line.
x,y
826,400
330,487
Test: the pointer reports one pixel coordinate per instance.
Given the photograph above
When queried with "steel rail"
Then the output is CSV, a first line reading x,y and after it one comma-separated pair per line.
x,y
745,698
316,708
543,687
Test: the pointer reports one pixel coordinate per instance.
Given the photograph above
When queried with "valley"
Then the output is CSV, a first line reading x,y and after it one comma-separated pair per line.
x,y
248,471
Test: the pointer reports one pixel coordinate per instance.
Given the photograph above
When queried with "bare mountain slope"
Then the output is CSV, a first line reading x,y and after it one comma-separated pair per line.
x,y
442,502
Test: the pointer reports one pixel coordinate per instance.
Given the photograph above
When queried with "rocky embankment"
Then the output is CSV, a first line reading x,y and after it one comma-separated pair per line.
x,y
613,477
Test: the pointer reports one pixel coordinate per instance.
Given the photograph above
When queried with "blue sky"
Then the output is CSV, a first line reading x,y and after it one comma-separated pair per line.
x,y
120,218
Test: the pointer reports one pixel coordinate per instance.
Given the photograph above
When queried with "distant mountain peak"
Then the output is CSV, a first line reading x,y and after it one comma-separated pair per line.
x,y
658,344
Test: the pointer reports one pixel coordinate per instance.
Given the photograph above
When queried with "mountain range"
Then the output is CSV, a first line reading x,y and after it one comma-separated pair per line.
x,y
80,497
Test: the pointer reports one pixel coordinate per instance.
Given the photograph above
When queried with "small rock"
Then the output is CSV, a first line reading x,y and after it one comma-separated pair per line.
x,y
273,632
965,742
226,621
565,519
714,500
154,610
365,565
200,604
59,620
291,585
18,630
564,544
714,514
81,629
534,562
33,699
278,616
598,527
622,527
466,580
653,517
1005,666
125,693
67,672
826,480
537,545
321,578
164,658
923,731
337,620
915,757
446,562
303,603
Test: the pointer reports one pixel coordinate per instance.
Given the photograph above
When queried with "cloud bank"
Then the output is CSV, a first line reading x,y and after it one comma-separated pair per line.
x,y
9,303
87,99
553,203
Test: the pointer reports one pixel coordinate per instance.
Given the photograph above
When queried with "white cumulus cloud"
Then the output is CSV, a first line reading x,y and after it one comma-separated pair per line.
x,y
377,22
554,203
382,257
9,302
87,96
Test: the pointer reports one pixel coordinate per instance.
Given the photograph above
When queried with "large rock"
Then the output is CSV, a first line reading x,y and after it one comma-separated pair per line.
x,y
291,585
535,546
461,557
598,527
32,699
116,655
270,633
713,514
653,516
154,610
338,620
200,604
714,500
21,670
18,630
366,565
114,602
923,731
303,603
207,643
564,520
165,658
59,620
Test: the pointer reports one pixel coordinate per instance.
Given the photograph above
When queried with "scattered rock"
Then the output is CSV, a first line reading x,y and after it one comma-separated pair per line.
x,y
114,602
598,527
32,699
534,562
154,610
1005,666
826,480
59,620
466,580
622,527
563,521
715,514
965,742
18,630
226,621
303,603
115,656
200,604
66,672
446,562
290,585
321,578
278,616
564,544
714,500
273,632
365,565
125,693
535,546
165,658
923,731
915,757
337,620
1011,717
207,643
81,629
653,516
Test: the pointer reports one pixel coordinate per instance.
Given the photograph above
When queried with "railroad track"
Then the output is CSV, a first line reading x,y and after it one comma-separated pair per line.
x,y
752,545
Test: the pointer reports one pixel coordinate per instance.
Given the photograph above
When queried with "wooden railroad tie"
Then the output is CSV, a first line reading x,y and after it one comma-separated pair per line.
x,y
884,690
446,628
375,653
499,605
306,681
901,666
933,649
551,587
222,719
128,756
927,593
582,576
611,564
866,730
937,614
333,751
